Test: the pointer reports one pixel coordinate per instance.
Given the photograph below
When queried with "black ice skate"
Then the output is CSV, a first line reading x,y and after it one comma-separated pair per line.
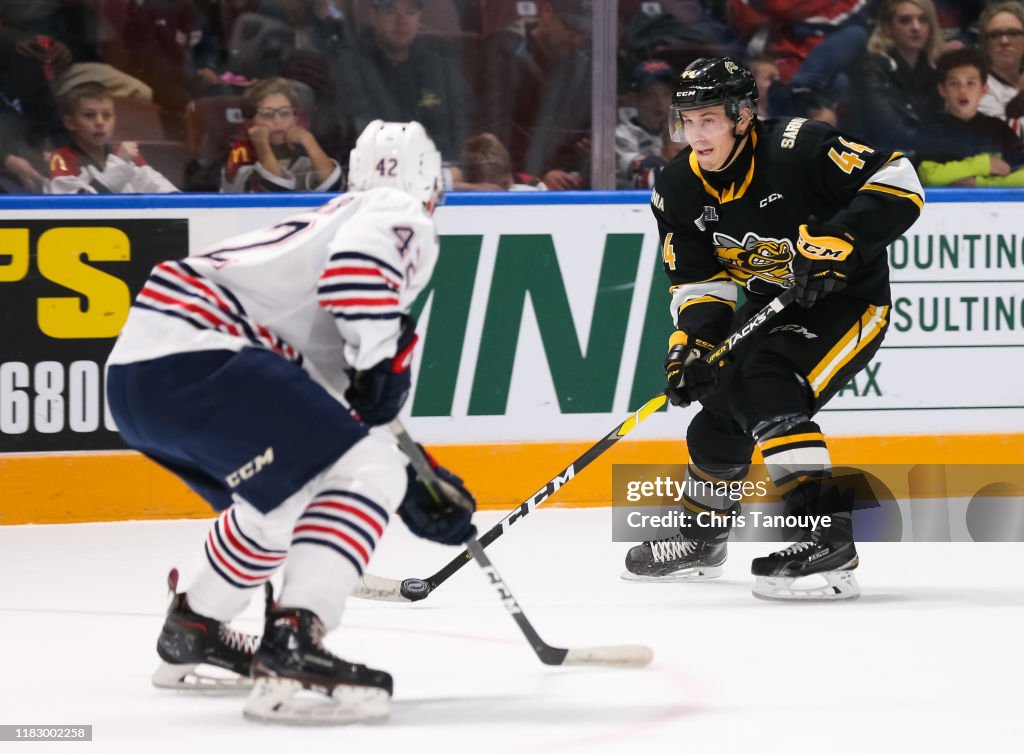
x,y
292,660
189,640
825,562
677,558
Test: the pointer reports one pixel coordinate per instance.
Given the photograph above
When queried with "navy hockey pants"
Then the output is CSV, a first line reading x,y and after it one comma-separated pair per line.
x,y
246,422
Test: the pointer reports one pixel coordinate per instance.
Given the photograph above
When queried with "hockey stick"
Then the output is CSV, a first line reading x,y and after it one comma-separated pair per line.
x,y
381,588
774,306
625,655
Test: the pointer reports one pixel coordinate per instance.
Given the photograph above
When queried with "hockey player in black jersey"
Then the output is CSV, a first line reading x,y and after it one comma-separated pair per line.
x,y
768,206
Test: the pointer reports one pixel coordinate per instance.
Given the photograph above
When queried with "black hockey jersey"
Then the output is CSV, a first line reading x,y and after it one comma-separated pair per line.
x,y
740,225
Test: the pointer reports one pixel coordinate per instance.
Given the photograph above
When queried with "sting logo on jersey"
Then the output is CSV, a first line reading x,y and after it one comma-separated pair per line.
x,y
755,257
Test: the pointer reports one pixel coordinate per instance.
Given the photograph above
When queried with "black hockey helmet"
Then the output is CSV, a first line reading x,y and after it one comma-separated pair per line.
x,y
715,81
707,82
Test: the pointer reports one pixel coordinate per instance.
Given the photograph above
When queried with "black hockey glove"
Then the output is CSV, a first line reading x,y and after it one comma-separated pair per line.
x,y
378,394
822,263
689,378
443,521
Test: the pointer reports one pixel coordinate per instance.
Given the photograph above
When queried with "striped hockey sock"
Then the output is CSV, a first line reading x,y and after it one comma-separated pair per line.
x,y
798,462
239,558
332,543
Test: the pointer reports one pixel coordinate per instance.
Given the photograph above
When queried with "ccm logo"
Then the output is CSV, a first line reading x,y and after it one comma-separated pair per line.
x,y
822,252
251,469
769,199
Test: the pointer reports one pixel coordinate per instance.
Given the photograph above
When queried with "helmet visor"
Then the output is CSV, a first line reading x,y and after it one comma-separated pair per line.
x,y
686,126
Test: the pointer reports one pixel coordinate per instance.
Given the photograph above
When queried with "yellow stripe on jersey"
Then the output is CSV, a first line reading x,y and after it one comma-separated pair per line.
x,y
856,338
723,275
917,200
706,299
786,439
732,193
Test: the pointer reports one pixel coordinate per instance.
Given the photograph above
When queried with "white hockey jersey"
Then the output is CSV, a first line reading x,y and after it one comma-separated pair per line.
x,y
325,289
74,172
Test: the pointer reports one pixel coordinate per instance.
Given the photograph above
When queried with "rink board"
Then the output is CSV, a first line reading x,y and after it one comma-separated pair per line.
x,y
544,327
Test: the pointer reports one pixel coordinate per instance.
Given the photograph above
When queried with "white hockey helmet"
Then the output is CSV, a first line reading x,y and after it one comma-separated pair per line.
x,y
400,155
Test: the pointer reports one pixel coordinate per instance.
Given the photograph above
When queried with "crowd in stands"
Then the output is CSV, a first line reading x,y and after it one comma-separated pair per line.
x,y
133,96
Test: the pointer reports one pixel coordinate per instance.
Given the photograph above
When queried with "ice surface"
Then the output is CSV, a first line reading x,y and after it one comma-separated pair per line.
x,y
929,659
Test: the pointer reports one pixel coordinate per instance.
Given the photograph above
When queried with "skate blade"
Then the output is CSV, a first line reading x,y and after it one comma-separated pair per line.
x,y
705,573
286,701
186,678
839,585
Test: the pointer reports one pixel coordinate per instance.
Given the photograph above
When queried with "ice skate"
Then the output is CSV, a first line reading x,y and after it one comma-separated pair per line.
x,y
677,558
297,681
192,647
814,568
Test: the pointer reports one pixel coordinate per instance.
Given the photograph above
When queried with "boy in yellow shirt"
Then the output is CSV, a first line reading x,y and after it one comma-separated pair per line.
x,y
968,148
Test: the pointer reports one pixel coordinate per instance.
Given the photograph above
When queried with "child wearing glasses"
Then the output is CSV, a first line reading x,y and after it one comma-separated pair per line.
x,y
278,154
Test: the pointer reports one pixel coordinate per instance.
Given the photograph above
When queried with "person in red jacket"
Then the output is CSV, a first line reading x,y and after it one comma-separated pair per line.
x,y
813,42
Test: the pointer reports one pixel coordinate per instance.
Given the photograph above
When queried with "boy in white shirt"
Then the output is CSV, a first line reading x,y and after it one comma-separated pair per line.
x,y
90,164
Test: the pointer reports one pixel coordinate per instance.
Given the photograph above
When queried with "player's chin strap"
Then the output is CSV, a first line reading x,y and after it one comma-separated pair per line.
x,y
737,141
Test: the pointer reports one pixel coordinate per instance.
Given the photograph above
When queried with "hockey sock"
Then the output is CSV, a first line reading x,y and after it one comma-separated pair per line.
x,y
708,508
797,460
241,555
335,536
332,544
246,546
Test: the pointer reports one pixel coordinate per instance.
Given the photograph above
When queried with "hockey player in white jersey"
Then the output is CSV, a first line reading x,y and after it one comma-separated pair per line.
x,y
253,371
